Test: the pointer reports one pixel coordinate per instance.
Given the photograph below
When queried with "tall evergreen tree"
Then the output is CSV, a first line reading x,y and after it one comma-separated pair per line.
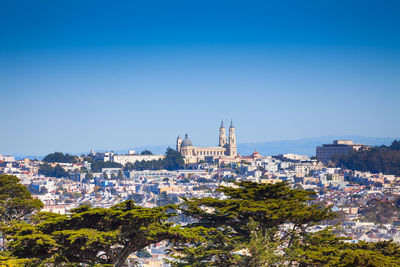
x,y
273,212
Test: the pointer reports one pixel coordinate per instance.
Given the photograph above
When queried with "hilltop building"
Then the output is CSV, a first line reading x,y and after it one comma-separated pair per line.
x,y
226,147
326,152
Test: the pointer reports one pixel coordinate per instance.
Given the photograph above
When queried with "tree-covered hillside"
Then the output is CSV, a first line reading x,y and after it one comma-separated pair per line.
x,y
385,159
61,157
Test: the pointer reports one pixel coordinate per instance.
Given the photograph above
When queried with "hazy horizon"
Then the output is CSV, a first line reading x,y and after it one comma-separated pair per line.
x,y
303,146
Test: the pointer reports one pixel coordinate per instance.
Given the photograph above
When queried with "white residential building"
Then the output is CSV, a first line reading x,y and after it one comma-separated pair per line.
x,y
132,158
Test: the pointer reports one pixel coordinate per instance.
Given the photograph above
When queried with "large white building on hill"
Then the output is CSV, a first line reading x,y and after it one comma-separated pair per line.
x,y
227,147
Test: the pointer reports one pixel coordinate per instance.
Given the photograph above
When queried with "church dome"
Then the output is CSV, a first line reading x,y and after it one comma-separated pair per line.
x,y
186,141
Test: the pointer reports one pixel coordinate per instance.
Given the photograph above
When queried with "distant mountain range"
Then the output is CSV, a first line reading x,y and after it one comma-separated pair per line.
x,y
304,146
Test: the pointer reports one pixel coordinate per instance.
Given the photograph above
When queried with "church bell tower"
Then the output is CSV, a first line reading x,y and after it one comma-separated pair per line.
x,y
232,141
222,135
178,144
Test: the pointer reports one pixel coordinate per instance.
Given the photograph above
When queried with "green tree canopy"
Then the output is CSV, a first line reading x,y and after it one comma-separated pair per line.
x,y
93,235
146,152
326,249
56,171
61,157
173,160
377,159
276,212
15,200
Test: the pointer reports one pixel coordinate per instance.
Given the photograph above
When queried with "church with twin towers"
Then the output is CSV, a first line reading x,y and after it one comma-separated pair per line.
x,y
227,147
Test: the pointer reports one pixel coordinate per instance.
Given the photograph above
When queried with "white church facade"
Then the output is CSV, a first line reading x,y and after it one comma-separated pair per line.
x,y
227,147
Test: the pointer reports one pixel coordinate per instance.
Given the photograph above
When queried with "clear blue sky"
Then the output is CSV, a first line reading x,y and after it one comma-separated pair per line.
x,y
76,75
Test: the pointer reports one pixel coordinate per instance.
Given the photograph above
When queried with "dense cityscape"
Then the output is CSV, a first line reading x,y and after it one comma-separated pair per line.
x,y
366,203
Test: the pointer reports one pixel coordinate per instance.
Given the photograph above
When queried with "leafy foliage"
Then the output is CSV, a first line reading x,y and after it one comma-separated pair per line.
x,y
15,200
173,160
6,260
92,235
325,249
61,157
261,248
56,171
278,215
146,152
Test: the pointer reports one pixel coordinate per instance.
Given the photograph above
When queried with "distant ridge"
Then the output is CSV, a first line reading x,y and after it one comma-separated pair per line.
x,y
22,156
305,146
